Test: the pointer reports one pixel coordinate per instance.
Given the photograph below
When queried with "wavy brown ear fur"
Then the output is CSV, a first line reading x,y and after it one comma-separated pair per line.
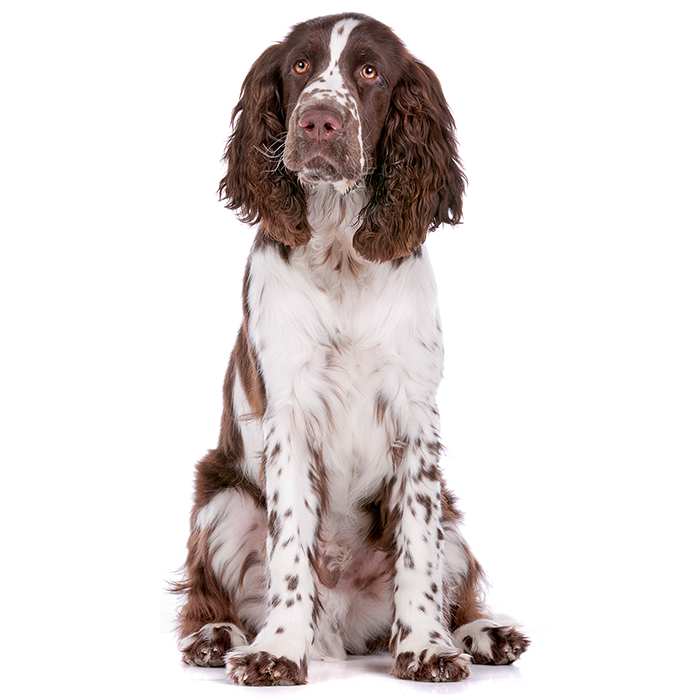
x,y
257,185
418,183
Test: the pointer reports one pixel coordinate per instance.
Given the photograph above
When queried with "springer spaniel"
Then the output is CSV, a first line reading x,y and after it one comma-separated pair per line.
x,y
321,523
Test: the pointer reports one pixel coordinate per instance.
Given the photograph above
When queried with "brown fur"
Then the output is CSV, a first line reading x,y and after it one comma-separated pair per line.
x,y
252,186
418,183
206,600
467,604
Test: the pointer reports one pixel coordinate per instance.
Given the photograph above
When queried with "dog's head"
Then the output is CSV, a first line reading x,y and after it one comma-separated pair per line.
x,y
341,101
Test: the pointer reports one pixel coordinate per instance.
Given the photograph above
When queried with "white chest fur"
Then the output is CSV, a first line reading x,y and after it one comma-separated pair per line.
x,y
333,333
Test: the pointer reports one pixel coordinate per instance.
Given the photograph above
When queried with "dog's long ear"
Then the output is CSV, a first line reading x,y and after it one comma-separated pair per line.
x,y
418,183
257,186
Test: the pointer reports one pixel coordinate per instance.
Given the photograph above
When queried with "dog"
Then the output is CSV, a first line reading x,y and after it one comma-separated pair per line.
x,y
321,523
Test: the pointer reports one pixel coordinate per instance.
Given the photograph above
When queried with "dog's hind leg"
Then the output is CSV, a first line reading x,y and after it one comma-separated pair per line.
x,y
208,645
485,637
490,641
226,577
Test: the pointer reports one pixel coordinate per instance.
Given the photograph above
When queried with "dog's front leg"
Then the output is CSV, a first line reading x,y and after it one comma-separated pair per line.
x,y
421,644
302,393
294,476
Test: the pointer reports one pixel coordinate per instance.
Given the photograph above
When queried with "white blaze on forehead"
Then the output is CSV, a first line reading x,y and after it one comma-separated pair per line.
x,y
330,85
339,39
330,79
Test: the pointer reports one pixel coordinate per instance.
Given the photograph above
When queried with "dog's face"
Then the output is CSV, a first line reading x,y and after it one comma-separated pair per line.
x,y
341,101
337,83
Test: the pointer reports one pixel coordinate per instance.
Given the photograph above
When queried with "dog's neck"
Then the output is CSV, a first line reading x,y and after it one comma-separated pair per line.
x,y
333,218
329,208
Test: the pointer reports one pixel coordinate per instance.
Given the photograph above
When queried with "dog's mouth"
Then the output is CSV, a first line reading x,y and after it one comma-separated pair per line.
x,y
319,168
322,163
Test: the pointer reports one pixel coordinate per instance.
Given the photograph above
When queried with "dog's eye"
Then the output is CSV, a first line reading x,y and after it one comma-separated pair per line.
x,y
369,72
301,66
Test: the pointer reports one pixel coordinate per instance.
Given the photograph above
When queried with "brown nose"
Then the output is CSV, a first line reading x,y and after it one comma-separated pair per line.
x,y
320,124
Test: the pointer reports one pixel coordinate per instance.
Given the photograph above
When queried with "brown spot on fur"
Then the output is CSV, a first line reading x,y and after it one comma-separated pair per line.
x,y
400,633
273,526
377,644
398,449
427,504
430,472
318,477
383,518
252,559
380,408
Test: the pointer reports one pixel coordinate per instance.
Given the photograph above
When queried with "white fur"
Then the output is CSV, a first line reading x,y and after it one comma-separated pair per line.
x,y
231,511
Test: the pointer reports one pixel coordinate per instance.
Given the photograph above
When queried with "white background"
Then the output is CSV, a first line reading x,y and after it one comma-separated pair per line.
x,y
570,299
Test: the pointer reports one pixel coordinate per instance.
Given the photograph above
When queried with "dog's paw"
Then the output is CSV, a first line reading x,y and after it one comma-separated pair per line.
x,y
210,643
263,668
445,666
491,644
